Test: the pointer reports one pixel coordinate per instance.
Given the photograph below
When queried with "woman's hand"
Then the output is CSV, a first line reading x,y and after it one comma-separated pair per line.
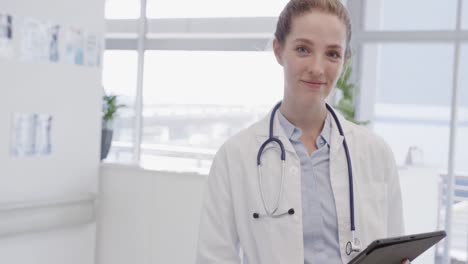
x,y
406,261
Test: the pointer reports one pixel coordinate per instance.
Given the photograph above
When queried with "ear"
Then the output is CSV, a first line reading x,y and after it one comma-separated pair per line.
x,y
278,50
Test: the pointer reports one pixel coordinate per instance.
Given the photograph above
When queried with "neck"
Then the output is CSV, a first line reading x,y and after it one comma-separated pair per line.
x,y
310,119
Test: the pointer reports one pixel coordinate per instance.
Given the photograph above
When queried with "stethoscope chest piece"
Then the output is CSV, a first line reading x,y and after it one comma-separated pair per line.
x,y
353,246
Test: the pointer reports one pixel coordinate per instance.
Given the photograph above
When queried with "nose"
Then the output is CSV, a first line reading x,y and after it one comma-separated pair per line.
x,y
315,66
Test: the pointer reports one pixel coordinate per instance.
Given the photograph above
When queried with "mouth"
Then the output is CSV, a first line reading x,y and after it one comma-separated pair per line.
x,y
313,83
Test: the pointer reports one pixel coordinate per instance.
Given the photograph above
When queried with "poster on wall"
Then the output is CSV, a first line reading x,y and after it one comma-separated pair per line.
x,y
54,31
43,140
31,135
6,35
93,50
34,46
39,41
74,46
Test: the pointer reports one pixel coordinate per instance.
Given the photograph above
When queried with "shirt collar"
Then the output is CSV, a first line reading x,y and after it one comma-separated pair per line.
x,y
291,131
294,133
326,131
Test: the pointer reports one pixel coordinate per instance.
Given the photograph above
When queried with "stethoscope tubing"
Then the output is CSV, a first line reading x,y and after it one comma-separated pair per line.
x,y
350,168
260,180
351,246
271,138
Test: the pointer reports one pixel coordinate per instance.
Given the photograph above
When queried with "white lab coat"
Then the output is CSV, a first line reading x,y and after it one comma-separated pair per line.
x,y
232,196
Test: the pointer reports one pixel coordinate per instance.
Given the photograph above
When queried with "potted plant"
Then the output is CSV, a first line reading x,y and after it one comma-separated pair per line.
x,y
346,103
109,112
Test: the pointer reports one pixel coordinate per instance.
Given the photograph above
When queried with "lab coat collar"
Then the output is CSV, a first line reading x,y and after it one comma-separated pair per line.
x,y
336,140
262,131
336,145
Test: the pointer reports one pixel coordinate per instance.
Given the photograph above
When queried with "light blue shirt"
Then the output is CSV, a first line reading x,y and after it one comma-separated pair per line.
x,y
318,203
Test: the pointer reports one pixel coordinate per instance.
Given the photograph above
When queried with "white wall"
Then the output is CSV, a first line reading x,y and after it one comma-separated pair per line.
x,y
72,95
420,194
72,245
148,217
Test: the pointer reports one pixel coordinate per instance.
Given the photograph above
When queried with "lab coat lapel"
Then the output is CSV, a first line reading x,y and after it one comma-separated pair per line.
x,y
271,168
340,186
287,240
336,146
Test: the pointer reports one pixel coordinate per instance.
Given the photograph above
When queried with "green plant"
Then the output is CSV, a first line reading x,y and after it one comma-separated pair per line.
x,y
347,103
110,107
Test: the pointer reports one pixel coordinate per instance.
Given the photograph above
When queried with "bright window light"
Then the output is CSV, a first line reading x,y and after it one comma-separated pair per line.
x,y
214,8
196,100
413,99
410,15
122,9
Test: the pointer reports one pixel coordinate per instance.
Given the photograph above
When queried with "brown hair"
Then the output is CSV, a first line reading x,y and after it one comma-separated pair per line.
x,y
296,8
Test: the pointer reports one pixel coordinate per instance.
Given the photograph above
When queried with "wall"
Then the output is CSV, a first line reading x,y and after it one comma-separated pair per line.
x,y
420,194
71,94
148,217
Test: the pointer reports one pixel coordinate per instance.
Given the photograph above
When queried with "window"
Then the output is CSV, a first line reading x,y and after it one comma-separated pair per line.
x,y
203,98
410,15
412,105
213,8
211,64
415,74
122,9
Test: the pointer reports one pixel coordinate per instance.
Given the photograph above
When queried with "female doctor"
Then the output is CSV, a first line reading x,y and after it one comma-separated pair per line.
x,y
283,190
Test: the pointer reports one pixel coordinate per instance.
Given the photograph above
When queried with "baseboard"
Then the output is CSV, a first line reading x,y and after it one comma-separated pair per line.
x,y
40,215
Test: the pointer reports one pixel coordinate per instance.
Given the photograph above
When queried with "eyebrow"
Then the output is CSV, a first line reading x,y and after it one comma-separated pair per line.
x,y
336,46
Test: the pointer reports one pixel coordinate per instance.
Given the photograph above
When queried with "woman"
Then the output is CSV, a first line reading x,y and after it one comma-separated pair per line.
x,y
305,216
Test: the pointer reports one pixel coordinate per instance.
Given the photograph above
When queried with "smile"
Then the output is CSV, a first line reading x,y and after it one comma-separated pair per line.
x,y
313,84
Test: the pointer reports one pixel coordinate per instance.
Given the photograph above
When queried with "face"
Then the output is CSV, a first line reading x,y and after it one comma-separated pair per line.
x,y
312,57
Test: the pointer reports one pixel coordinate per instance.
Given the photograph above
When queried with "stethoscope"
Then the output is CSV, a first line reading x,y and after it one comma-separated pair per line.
x,y
352,246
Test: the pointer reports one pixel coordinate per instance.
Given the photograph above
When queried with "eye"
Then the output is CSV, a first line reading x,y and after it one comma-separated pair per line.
x,y
302,50
334,54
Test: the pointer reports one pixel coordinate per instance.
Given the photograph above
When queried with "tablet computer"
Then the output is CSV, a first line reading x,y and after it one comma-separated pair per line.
x,y
394,250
